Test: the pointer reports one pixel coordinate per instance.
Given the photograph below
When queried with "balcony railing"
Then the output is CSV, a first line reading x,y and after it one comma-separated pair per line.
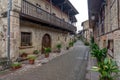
x,y
36,13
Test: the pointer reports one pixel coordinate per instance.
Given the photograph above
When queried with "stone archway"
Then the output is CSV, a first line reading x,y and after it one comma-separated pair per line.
x,y
46,42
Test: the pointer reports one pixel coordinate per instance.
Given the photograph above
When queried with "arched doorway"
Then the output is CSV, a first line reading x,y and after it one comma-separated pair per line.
x,y
46,42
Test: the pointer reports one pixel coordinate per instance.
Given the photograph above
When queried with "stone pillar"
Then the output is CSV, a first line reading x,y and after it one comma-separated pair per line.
x,y
15,29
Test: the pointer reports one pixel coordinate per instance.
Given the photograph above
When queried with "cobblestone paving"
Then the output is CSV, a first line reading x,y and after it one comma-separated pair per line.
x,y
70,66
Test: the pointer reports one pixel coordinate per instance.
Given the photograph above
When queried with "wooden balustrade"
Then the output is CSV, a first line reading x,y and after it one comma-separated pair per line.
x,y
36,13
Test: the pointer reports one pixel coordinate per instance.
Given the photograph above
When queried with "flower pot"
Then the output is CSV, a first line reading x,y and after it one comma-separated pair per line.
x,y
67,48
16,67
46,55
24,55
31,61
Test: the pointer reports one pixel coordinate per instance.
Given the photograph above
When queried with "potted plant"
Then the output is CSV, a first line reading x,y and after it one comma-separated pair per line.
x,y
108,69
71,44
59,46
31,58
47,51
36,52
23,54
16,65
86,43
100,54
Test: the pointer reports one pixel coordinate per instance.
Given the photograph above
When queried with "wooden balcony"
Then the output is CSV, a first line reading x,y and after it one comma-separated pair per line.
x,y
37,14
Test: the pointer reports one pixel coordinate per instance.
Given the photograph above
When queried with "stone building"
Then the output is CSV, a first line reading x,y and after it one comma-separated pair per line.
x,y
106,25
87,31
35,24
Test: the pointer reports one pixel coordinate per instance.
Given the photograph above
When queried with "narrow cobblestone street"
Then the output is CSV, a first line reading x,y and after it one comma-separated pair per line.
x,y
70,66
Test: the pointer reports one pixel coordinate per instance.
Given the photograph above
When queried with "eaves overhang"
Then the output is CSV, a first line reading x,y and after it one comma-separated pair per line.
x,y
94,8
66,6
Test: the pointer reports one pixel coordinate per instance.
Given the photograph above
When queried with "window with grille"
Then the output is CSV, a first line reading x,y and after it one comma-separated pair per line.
x,y
26,39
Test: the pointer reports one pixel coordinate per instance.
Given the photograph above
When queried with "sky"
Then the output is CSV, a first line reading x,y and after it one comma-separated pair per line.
x,y
81,6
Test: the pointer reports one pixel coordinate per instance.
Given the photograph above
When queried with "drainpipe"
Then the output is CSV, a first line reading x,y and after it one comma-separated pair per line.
x,y
8,31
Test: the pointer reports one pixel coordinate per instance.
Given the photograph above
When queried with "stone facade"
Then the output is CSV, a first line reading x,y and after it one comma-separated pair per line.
x,y
38,31
18,25
87,31
109,33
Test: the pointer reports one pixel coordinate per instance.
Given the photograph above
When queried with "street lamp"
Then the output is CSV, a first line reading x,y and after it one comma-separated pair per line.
x,y
93,17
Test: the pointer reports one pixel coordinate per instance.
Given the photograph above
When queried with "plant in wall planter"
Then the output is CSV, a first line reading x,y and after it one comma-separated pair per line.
x,y
108,69
16,65
23,54
36,52
47,51
31,58
59,46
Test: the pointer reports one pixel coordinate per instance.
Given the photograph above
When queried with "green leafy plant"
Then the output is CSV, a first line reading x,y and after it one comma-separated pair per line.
x,y
47,50
100,54
23,54
94,46
71,44
92,40
86,43
16,65
31,57
108,69
59,46
36,52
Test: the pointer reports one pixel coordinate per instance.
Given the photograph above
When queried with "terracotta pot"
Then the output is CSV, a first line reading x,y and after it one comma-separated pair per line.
x,y
16,67
46,55
24,55
31,61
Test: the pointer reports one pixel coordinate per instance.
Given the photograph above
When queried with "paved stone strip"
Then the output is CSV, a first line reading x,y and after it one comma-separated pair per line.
x,y
70,66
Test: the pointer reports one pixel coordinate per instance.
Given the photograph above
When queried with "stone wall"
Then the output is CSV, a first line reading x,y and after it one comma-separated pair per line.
x,y
111,26
88,31
38,31
3,28
16,26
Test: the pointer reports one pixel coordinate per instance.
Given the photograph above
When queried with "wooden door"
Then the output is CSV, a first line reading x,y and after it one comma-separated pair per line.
x,y
46,42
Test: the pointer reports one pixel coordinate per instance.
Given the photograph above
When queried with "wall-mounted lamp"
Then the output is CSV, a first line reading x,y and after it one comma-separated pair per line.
x,y
93,17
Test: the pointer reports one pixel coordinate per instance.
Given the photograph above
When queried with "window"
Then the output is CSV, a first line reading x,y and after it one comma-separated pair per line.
x,y
110,47
26,39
